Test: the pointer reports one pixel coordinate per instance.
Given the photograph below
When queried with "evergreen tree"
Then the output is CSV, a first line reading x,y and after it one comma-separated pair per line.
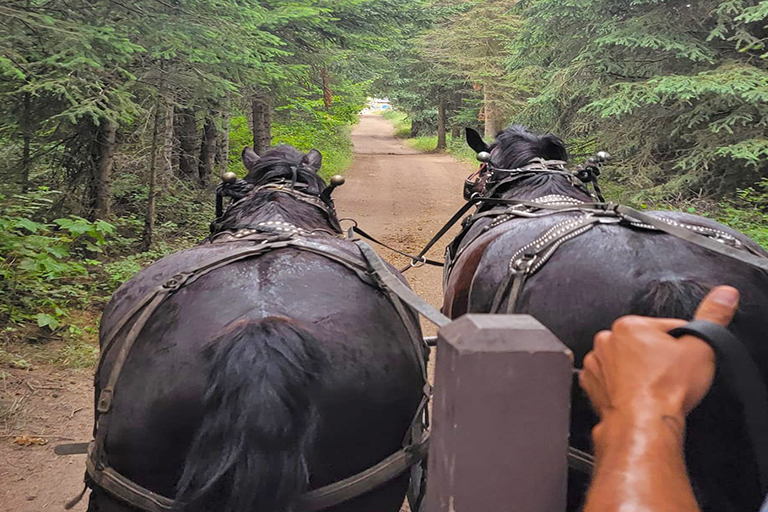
x,y
678,89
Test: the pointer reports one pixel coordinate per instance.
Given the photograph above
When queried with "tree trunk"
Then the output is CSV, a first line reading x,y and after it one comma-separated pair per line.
x,y
26,155
168,143
455,131
262,123
441,130
223,152
189,144
149,219
327,92
490,114
103,159
208,151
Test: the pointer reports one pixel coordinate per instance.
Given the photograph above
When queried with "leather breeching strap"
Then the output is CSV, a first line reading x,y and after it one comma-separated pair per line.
x,y
371,270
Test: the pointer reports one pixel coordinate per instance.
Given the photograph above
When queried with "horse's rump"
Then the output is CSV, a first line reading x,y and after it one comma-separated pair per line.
x,y
373,391
611,271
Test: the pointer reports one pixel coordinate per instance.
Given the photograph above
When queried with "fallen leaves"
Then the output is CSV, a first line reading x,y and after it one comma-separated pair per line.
x,y
29,441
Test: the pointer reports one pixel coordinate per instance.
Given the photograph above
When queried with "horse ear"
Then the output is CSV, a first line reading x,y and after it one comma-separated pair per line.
x,y
312,160
250,158
552,147
475,141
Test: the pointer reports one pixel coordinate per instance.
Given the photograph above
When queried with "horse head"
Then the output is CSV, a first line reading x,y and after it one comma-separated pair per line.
x,y
520,159
517,146
283,182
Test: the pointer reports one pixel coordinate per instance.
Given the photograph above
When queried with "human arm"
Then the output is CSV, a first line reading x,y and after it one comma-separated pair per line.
x,y
643,383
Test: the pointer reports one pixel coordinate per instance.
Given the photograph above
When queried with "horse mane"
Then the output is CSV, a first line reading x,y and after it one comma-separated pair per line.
x,y
278,163
517,146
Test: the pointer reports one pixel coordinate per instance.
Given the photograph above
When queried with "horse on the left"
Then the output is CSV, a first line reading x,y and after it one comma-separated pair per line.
x,y
242,373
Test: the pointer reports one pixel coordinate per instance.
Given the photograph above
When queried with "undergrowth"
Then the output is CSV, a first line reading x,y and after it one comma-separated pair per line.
x,y
58,272
400,121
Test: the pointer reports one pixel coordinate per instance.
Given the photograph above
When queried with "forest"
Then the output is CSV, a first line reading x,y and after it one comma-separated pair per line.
x,y
116,118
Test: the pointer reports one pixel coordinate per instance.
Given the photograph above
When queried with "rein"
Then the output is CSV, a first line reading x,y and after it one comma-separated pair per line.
x,y
487,175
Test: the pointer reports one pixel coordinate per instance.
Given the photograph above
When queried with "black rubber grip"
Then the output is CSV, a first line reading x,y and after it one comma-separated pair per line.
x,y
742,377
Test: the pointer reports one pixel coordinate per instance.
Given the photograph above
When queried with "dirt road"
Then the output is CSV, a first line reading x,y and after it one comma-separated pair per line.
x,y
402,197
397,194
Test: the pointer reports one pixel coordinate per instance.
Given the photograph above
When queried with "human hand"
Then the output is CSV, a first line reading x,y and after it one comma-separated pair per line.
x,y
637,369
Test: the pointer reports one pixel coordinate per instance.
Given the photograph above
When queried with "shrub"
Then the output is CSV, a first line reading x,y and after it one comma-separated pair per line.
x,y
44,265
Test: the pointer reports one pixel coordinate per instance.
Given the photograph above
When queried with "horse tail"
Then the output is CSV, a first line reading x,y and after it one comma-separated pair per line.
x,y
259,418
670,298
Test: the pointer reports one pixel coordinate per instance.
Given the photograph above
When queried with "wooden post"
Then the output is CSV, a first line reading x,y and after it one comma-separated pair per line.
x,y
501,415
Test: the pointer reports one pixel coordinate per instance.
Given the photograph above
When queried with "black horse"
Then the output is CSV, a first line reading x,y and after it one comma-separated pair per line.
x,y
607,272
268,376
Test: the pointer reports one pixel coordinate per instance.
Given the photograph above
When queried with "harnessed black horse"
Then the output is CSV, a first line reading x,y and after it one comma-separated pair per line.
x,y
276,366
540,242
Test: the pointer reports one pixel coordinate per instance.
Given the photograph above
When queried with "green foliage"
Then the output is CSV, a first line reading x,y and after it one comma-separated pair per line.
x,y
456,147
676,89
306,124
44,265
747,211
167,77
401,122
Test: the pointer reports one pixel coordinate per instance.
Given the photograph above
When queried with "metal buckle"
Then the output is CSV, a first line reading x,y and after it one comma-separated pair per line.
x,y
524,263
177,281
416,263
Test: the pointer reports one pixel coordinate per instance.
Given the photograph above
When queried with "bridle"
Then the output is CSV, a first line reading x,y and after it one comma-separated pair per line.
x,y
487,180
240,189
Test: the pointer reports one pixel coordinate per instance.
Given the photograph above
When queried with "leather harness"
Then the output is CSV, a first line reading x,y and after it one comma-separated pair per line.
x,y
530,258
252,242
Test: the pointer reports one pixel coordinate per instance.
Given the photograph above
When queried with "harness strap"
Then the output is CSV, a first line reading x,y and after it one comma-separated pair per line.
x,y
751,258
400,294
124,488
741,375
389,281
555,208
311,501
414,259
531,257
361,483
517,288
581,461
